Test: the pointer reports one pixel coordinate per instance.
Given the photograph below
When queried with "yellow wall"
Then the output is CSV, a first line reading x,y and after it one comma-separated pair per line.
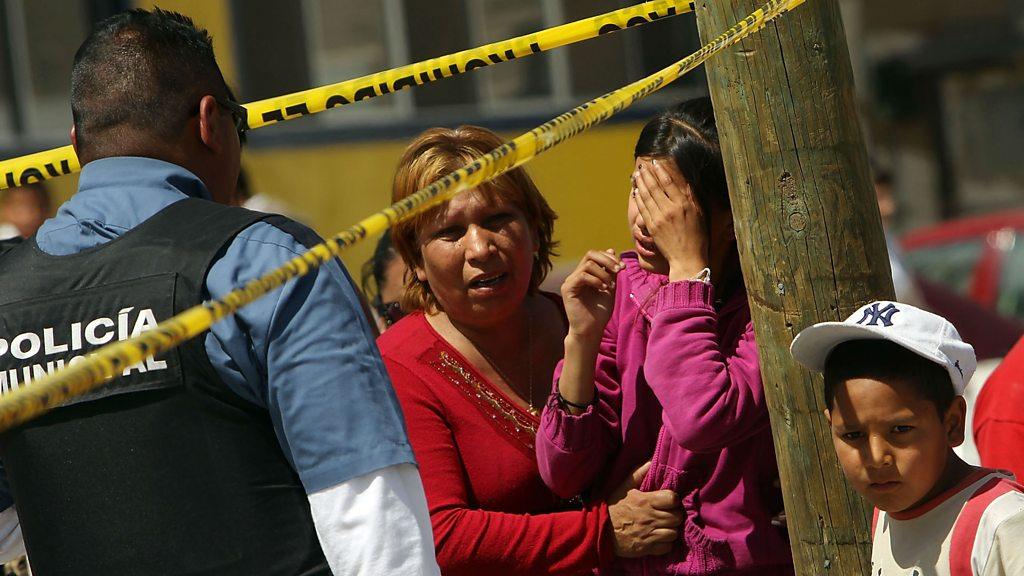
x,y
331,187
215,16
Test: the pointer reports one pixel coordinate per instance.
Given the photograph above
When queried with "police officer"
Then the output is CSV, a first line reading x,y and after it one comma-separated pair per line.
x,y
272,444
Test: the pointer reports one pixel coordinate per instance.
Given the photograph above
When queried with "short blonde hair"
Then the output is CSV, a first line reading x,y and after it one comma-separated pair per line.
x,y
437,152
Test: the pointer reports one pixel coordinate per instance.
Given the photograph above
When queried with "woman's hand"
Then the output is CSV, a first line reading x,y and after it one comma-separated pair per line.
x,y
589,295
673,218
643,523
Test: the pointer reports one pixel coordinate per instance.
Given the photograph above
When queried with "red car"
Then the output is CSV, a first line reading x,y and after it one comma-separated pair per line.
x,y
980,259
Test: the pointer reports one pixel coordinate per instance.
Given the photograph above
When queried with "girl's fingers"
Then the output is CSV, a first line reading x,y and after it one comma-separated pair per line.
x,y
607,259
585,278
643,201
647,183
664,177
595,269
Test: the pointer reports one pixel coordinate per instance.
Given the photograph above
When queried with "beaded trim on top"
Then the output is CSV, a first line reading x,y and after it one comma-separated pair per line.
x,y
508,417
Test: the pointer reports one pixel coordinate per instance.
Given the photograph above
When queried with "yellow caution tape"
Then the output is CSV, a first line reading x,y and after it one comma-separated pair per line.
x,y
59,161
109,361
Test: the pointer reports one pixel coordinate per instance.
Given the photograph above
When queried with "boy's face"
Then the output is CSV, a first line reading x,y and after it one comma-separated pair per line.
x,y
892,443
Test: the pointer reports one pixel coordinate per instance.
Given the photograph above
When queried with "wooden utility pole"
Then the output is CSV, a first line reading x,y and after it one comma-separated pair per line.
x,y
810,240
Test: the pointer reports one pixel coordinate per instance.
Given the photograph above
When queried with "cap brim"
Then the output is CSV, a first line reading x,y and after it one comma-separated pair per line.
x,y
812,346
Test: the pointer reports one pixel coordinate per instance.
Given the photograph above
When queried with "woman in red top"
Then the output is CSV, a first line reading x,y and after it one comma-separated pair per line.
x,y
470,365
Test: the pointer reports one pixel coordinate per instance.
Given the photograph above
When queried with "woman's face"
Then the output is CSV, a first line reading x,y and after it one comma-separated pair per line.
x,y
477,258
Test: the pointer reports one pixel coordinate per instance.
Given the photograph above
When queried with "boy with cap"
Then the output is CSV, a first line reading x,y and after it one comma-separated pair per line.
x,y
893,379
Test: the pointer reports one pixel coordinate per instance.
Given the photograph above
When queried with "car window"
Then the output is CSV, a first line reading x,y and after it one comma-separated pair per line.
x,y
951,265
1011,281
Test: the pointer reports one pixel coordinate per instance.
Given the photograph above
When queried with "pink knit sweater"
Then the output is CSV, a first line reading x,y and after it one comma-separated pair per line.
x,y
678,383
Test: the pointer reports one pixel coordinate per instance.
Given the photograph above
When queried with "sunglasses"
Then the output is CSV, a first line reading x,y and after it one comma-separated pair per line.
x,y
390,312
238,114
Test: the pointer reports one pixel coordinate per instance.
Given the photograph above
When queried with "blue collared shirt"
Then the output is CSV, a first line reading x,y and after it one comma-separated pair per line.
x,y
305,352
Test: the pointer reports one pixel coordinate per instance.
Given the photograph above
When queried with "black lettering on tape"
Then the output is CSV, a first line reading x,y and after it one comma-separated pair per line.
x,y
475,63
294,109
29,174
65,166
655,16
438,73
383,87
273,116
535,48
510,55
336,100
636,21
453,68
364,93
608,28
425,77
496,58
9,177
404,82
51,170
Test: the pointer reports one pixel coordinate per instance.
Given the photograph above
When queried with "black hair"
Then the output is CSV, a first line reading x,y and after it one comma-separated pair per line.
x,y
687,134
144,71
886,361
374,269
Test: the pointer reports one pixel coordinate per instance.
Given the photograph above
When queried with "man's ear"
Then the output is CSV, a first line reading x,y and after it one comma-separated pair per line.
x,y
74,139
955,421
211,124
828,416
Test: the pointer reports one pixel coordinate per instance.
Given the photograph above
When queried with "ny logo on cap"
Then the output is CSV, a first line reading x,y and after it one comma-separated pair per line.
x,y
873,315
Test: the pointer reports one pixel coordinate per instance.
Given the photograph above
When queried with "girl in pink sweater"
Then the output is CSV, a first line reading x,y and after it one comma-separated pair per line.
x,y
661,364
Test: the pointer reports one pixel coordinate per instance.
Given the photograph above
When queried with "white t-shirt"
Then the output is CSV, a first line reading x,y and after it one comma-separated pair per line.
x,y
974,529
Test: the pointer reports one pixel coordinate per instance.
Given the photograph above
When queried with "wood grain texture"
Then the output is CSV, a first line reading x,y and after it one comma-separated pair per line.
x,y
810,241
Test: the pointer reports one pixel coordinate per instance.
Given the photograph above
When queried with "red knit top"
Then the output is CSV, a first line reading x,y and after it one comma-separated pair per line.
x,y
490,510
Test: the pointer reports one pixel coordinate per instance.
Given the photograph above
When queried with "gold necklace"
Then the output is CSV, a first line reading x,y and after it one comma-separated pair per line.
x,y
529,361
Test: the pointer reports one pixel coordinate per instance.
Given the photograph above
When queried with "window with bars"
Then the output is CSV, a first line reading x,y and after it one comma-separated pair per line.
x,y
38,39
327,41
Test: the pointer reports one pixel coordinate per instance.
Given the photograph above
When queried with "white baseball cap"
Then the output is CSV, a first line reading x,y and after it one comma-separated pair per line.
x,y
923,333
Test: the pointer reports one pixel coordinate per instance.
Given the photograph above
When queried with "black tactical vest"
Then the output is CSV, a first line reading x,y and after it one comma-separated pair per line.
x,y
161,471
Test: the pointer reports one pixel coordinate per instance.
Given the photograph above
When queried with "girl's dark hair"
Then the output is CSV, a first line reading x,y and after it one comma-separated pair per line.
x,y
687,134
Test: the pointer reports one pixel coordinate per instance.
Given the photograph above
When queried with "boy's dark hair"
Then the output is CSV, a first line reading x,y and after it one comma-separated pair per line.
x,y
144,71
885,361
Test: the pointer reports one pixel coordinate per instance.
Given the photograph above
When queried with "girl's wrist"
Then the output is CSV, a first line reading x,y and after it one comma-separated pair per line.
x,y
686,270
582,343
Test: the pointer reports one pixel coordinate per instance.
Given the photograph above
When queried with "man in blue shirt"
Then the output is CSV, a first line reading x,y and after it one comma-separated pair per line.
x,y
176,462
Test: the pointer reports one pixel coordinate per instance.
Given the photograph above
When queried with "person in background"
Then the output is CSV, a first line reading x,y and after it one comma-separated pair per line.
x,y
661,364
23,209
894,379
906,287
271,444
383,280
999,415
470,364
